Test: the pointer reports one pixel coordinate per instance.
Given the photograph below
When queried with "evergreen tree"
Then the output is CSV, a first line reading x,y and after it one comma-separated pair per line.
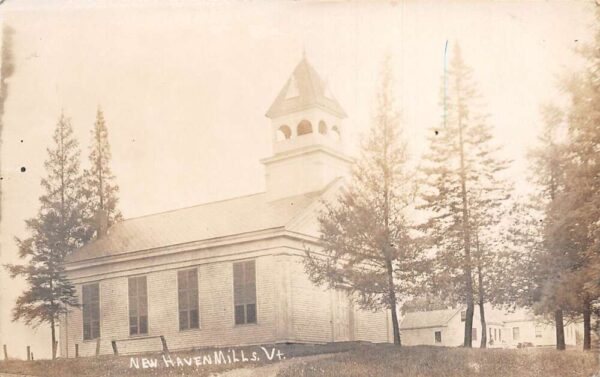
x,y
551,263
462,190
524,235
488,194
55,232
578,221
365,235
100,189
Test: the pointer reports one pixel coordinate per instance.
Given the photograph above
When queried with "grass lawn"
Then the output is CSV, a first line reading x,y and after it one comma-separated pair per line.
x,y
119,366
347,359
423,361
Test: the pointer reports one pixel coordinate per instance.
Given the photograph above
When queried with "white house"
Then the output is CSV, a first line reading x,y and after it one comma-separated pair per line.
x,y
524,327
437,327
228,272
504,330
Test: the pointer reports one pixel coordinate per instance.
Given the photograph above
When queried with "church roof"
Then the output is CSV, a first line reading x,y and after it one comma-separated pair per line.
x,y
202,222
304,89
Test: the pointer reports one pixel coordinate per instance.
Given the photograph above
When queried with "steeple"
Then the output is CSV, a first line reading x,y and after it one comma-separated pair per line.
x,y
303,90
307,135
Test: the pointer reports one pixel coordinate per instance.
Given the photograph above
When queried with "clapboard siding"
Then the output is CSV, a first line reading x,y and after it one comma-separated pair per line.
x,y
373,326
319,314
311,307
290,308
217,325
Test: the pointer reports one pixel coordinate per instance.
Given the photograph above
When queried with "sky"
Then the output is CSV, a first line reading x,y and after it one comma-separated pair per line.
x,y
184,87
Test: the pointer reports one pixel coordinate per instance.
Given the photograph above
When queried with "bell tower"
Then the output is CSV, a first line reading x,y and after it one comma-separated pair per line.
x,y
307,134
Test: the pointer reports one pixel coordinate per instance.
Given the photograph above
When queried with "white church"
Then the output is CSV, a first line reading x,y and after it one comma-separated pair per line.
x,y
228,272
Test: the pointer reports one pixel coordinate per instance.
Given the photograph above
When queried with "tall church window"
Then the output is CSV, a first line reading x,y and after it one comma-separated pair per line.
x,y
283,133
138,306
304,127
322,128
187,293
244,292
90,297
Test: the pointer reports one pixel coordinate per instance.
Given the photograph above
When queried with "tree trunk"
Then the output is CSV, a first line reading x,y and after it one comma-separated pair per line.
x,y
483,326
560,329
52,327
392,294
587,326
481,295
482,310
386,251
468,341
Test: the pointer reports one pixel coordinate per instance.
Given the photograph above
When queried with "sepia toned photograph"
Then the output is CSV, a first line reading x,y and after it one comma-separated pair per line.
x,y
299,188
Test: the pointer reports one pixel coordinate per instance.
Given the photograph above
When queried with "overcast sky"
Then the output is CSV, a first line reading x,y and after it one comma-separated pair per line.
x,y
184,89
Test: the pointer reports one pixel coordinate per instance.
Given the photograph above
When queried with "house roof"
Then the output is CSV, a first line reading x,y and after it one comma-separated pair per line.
x,y
304,89
202,222
438,318
433,318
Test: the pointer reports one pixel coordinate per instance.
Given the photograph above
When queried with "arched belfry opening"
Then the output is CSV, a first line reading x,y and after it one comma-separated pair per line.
x,y
335,132
304,128
283,133
323,128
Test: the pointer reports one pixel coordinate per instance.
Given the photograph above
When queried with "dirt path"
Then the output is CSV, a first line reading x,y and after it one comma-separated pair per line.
x,y
271,369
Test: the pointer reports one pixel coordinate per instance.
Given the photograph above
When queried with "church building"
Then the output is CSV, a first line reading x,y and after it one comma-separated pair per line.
x,y
230,272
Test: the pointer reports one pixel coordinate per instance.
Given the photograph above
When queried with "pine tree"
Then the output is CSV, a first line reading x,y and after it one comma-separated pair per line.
x,y
365,235
578,225
55,232
488,194
462,190
524,248
549,160
100,189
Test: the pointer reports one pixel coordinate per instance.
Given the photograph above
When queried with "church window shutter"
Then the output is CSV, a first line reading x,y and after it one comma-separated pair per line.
x,y
244,292
138,305
187,292
91,311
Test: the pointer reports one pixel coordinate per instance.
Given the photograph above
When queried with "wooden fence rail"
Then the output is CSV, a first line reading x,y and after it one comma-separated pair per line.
x,y
163,342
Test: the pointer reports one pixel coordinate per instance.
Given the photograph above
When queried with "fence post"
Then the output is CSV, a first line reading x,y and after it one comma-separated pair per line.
x,y
5,352
76,350
164,344
114,347
28,353
98,347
